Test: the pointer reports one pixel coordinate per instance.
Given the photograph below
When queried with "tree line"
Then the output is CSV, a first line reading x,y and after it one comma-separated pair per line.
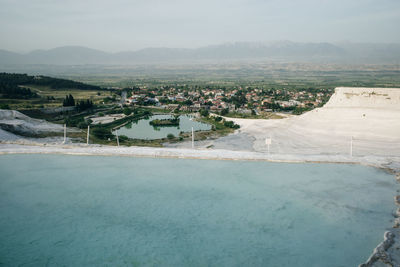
x,y
14,79
81,105
8,90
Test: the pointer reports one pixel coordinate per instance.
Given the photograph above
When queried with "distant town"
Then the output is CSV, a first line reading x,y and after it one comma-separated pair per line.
x,y
245,100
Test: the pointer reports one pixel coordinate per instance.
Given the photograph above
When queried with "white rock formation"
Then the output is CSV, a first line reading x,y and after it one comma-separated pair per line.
x,y
371,116
14,121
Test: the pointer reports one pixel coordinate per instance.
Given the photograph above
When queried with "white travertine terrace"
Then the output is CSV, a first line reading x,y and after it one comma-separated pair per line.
x,y
371,116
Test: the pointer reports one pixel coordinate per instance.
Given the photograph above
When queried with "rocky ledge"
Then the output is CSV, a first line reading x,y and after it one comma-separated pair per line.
x,y
387,253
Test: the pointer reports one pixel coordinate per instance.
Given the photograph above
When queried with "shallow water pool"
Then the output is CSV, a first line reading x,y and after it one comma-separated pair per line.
x,y
141,129
59,210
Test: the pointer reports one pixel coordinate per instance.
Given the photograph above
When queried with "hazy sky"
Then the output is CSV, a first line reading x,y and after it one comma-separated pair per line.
x,y
119,25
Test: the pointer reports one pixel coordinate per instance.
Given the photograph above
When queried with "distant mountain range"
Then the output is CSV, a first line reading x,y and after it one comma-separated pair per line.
x,y
275,51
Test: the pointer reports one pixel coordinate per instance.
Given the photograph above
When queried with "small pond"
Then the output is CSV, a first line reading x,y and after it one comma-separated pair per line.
x,y
143,130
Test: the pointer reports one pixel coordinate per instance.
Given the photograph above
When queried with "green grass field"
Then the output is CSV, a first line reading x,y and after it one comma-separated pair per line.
x,y
47,94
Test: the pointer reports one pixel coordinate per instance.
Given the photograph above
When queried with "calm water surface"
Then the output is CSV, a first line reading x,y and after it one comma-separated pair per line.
x,y
143,130
58,210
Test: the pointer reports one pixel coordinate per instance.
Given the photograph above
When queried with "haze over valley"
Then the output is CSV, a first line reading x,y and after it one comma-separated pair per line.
x,y
279,51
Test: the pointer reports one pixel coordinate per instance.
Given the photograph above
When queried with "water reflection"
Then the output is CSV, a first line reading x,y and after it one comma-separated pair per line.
x,y
141,129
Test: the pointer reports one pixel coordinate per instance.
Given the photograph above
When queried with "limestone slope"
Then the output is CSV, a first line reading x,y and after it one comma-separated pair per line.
x,y
16,122
371,116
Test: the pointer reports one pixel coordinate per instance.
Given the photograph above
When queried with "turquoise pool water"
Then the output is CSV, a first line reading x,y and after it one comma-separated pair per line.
x,y
143,130
58,210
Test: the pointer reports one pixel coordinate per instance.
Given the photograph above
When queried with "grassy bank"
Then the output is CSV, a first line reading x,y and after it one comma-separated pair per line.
x,y
262,115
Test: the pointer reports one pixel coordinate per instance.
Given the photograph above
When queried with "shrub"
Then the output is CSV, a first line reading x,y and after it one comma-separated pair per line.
x,y
4,106
123,138
127,111
82,125
231,124
224,112
204,112
217,119
83,105
102,133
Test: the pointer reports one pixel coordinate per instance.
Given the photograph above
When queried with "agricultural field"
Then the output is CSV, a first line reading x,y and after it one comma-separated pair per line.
x,y
19,91
263,75
54,97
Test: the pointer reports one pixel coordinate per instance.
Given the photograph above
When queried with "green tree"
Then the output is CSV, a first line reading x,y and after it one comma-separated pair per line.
x,y
231,124
127,111
188,102
204,112
102,133
224,112
218,119
69,101
4,106
83,105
